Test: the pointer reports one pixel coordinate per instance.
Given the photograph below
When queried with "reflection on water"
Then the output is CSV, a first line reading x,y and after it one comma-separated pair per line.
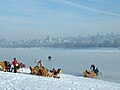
x,y
70,61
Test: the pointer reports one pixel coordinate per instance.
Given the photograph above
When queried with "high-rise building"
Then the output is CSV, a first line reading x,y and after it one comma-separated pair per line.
x,y
49,39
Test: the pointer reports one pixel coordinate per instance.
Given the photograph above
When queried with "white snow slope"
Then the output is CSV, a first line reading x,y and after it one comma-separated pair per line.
x,y
22,81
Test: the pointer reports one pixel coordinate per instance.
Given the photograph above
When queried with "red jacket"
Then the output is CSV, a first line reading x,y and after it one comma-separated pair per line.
x,y
14,62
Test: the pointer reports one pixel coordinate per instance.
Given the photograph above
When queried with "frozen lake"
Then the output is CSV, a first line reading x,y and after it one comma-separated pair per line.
x,y
70,61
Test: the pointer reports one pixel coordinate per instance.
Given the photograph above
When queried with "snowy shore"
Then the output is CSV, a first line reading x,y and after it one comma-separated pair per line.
x,y
25,81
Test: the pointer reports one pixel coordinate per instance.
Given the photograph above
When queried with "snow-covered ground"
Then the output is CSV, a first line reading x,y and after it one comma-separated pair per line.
x,y
25,81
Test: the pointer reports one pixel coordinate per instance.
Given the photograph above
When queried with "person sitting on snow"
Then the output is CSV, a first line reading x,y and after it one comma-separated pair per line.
x,y
87,72
52,71
92,68
40,64
8,66
96,71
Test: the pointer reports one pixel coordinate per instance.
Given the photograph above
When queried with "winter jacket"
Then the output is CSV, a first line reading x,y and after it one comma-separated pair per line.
x,y
14,62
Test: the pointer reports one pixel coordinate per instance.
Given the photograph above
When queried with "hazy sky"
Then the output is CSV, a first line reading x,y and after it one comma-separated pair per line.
x,y
23,19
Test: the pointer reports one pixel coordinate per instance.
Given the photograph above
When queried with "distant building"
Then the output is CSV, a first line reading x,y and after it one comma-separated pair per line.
x,y
49,39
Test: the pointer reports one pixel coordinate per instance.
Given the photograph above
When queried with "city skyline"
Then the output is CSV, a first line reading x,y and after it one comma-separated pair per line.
x,y
109,40
26,19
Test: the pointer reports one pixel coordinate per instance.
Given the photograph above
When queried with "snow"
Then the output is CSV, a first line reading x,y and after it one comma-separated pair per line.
x,y
25,81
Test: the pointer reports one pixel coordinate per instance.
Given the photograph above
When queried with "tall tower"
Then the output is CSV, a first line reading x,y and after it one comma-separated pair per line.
x,y
49,38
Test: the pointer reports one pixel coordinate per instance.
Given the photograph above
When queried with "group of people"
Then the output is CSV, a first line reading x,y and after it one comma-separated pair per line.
x,y
41,70
7,66
13,66
92,72
96,70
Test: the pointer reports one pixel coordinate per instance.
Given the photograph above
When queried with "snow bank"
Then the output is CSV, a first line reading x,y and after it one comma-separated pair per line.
x,y
25,81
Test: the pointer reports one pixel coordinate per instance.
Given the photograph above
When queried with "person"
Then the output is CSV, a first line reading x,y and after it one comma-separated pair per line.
x,y
5,64
96,71
8,66
92,68
40,64
57,73
49,58
87,72
23,65
15,65
52,71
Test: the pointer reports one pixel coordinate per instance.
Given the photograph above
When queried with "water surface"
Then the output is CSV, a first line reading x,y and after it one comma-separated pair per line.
x,y
70,61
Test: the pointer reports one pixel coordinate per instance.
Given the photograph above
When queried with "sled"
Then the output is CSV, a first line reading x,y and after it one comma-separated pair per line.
x,y
42,71
89,74
2,66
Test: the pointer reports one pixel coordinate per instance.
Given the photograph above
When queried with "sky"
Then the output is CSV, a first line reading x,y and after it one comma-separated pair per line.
x,y
25,19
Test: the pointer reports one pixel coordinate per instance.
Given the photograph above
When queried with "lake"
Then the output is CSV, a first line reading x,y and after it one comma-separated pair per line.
x,y
71,61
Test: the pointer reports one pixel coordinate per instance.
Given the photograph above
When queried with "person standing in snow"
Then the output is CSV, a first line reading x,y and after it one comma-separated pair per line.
x,y
15,65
